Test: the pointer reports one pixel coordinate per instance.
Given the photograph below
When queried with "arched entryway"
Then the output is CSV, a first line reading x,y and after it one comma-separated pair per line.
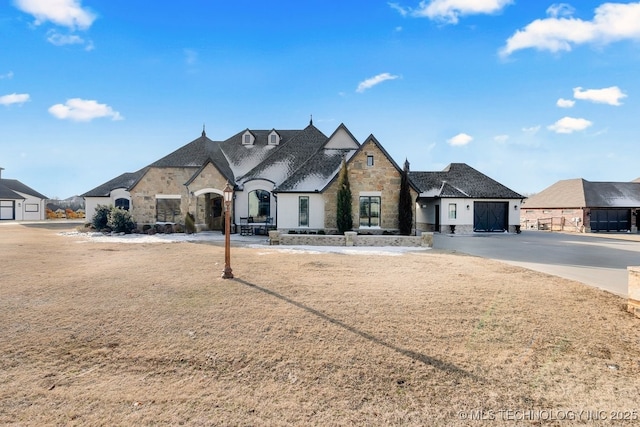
x,y
209,209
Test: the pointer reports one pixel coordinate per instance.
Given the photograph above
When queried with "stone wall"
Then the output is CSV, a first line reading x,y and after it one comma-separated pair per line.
x,y
350,239
382,177
159,181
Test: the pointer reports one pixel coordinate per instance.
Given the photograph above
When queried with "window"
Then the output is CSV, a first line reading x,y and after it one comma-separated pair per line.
x,y
122,203
167,210
370,160
453,211
369,211
303,211
31,207
259,205
247,139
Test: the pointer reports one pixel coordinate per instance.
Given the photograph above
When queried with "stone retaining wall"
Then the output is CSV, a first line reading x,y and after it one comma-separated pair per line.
x,y
350,239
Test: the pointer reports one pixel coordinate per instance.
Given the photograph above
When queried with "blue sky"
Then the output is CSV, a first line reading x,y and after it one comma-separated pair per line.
x,y
528,92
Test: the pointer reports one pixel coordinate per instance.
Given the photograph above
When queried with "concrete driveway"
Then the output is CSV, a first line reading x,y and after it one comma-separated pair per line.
x,y
595,259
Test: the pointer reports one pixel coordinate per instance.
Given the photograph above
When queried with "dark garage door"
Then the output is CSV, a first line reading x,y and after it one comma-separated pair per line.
x,y
610,219
490,216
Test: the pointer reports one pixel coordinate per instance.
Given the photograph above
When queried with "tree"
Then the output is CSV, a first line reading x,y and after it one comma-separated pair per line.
x,y
405,204
344,219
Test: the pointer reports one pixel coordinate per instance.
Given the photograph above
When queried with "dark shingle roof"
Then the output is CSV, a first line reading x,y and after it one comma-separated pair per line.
x,y
461,180
580,193
126,180
289,156
13,185
195,154
317,172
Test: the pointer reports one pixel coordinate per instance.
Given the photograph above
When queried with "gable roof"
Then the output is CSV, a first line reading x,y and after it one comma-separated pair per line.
x,y
461,181
196,154
580,193
10,187
126,181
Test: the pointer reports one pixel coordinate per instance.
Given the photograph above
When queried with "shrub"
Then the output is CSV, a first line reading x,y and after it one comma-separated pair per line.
x,y
190,223
344,219
101,217
120,221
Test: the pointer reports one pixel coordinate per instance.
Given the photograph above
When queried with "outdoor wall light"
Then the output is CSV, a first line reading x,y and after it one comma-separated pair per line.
x,y
468,207
515,207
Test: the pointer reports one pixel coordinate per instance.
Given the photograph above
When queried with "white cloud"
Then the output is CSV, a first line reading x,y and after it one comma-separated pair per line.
x,y
532,130
61,39
449,11
460,140
560,9
569,125
609,95
501,138
9,75
83,110
66,13
565,103
14,98
560,31
371,82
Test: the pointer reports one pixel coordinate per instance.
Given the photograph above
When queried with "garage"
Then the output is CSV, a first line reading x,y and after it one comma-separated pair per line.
x,y
610,220
7,209
490,216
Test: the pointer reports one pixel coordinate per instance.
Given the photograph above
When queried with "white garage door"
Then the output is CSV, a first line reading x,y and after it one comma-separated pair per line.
x,y
7,209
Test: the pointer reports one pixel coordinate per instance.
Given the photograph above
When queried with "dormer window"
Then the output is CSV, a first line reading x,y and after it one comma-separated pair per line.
x,y
248,138
274,138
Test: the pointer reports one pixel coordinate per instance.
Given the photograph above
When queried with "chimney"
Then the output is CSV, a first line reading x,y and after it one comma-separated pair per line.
x,y
1,169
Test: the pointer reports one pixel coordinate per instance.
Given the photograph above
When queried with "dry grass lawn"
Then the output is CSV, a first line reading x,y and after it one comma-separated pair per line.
x,y
148,334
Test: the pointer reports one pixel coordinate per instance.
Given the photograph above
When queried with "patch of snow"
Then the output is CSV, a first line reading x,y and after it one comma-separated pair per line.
x,y
257,242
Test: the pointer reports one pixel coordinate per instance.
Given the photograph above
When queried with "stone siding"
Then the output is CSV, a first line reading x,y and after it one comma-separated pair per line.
x,y
275,238
382,176
159,181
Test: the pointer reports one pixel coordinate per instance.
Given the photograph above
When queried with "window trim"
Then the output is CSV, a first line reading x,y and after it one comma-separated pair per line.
x,y
301,214
370,160
370,196
453,211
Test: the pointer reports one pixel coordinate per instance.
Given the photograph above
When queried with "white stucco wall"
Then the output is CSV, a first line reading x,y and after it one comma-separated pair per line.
x,y
241,205
91,203
288,210
31,208
425,212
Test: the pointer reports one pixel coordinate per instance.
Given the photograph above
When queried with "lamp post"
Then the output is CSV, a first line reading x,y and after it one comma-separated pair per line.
x,y
228,196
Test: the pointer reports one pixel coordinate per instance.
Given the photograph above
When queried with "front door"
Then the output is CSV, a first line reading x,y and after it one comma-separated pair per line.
x,y
215,218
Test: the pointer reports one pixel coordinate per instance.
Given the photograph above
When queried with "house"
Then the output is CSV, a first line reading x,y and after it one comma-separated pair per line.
x,y
288,178
460,199
20,202
584,206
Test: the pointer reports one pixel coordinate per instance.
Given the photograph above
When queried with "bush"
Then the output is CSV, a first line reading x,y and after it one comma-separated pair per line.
x,y
120,221
190,223
101,217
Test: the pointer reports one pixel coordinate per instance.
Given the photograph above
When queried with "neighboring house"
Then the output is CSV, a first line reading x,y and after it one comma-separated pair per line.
x,y
20,202
584,206
288,178
460,199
